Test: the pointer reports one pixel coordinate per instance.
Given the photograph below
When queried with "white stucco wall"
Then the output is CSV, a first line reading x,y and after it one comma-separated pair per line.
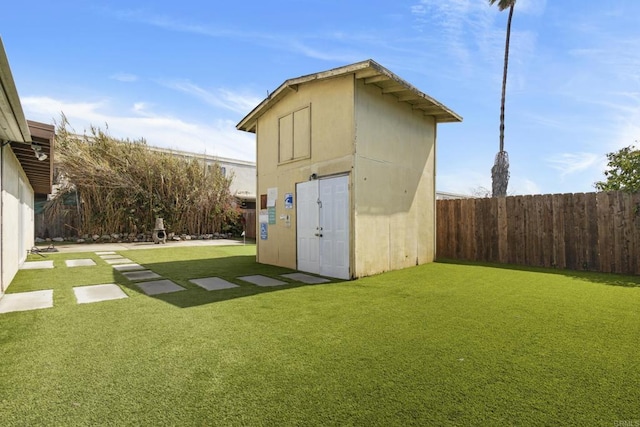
x,y
243,172
244,177
16,219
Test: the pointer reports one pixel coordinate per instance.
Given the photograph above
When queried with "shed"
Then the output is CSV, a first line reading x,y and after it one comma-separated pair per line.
x,y
346,172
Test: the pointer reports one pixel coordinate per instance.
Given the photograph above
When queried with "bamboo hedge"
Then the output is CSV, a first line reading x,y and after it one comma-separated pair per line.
x,y
122,186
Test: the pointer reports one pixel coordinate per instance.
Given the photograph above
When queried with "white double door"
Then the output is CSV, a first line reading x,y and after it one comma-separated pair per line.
x,y
323,226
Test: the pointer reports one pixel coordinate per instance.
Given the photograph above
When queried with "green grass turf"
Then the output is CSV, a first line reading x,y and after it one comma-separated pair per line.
x,y
439,344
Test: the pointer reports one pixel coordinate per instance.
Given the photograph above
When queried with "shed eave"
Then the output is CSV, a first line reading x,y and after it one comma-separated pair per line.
x,y
371,73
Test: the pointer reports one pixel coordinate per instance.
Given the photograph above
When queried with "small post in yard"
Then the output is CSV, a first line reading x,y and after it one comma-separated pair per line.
x,y
244,238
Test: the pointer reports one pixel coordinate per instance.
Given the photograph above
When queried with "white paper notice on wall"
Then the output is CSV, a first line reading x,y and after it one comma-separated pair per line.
x,y
264,216
272,196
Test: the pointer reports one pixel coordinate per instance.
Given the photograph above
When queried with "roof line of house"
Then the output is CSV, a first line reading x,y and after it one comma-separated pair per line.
x,y
372,73
17,129
205,156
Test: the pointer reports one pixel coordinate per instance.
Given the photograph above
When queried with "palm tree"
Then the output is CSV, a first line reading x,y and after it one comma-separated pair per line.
x,y
500,169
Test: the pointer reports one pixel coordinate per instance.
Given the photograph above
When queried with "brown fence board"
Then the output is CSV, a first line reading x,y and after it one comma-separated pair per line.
x,y
583,231
503,230
605,232
558,232
591,242
546,227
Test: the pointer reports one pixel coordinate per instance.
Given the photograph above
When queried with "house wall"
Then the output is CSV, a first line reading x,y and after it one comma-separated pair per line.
x,y
244,172
331,152
244,177
16,217
393,184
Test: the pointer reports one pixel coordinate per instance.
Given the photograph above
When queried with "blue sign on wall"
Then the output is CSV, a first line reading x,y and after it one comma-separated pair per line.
x,y
288,201
264,234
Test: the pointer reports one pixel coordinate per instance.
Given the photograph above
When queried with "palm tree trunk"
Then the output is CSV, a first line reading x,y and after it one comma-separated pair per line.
x,y
500,170
504,77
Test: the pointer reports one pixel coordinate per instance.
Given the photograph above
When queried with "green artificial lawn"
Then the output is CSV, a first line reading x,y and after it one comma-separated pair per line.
x,y
439,344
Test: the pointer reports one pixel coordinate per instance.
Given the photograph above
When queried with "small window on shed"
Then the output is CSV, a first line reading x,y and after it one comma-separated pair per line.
x,y
294,135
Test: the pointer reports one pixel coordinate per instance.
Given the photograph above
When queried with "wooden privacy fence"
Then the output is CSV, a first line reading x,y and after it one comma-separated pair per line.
x,y
583,231
249,220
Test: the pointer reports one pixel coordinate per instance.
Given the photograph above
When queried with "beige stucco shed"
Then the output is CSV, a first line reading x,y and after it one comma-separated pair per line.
x,y
346,172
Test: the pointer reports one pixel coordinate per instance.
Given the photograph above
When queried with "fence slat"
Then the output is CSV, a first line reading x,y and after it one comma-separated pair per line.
x,y
503,230
547,231
591,242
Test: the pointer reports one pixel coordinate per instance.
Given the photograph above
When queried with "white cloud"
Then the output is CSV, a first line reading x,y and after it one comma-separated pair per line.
x,y
465,181
140,108
124,77
418,9
172,24
531,7
221,98
462,181
220,137
520,186
472,34
299,43
570,163
628,132
322,53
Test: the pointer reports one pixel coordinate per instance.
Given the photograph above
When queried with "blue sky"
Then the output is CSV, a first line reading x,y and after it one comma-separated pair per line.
x,y
182,74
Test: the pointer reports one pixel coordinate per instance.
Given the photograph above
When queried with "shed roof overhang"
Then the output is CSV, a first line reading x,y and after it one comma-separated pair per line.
x,y
371,73
15,129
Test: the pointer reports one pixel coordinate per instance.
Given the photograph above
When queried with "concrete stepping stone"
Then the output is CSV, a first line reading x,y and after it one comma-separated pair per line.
x,y
128,267
141,275
305,278
34,265
118,261
213,283
24,301
260,280
111,256
105,253
97,293
157,287
80,262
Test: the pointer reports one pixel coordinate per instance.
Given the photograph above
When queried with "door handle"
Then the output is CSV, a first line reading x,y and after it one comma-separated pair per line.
x,y
318,234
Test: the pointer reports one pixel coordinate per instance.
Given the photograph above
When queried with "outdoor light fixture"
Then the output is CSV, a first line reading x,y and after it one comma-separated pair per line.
x,y
37,150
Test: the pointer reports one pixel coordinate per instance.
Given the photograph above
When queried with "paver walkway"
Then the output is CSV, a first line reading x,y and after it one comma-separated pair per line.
x,y
157,287
80,262
306,278
135,273
213,283
34,265
97,293
260,280
128,267
26,301
137,276
118,261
